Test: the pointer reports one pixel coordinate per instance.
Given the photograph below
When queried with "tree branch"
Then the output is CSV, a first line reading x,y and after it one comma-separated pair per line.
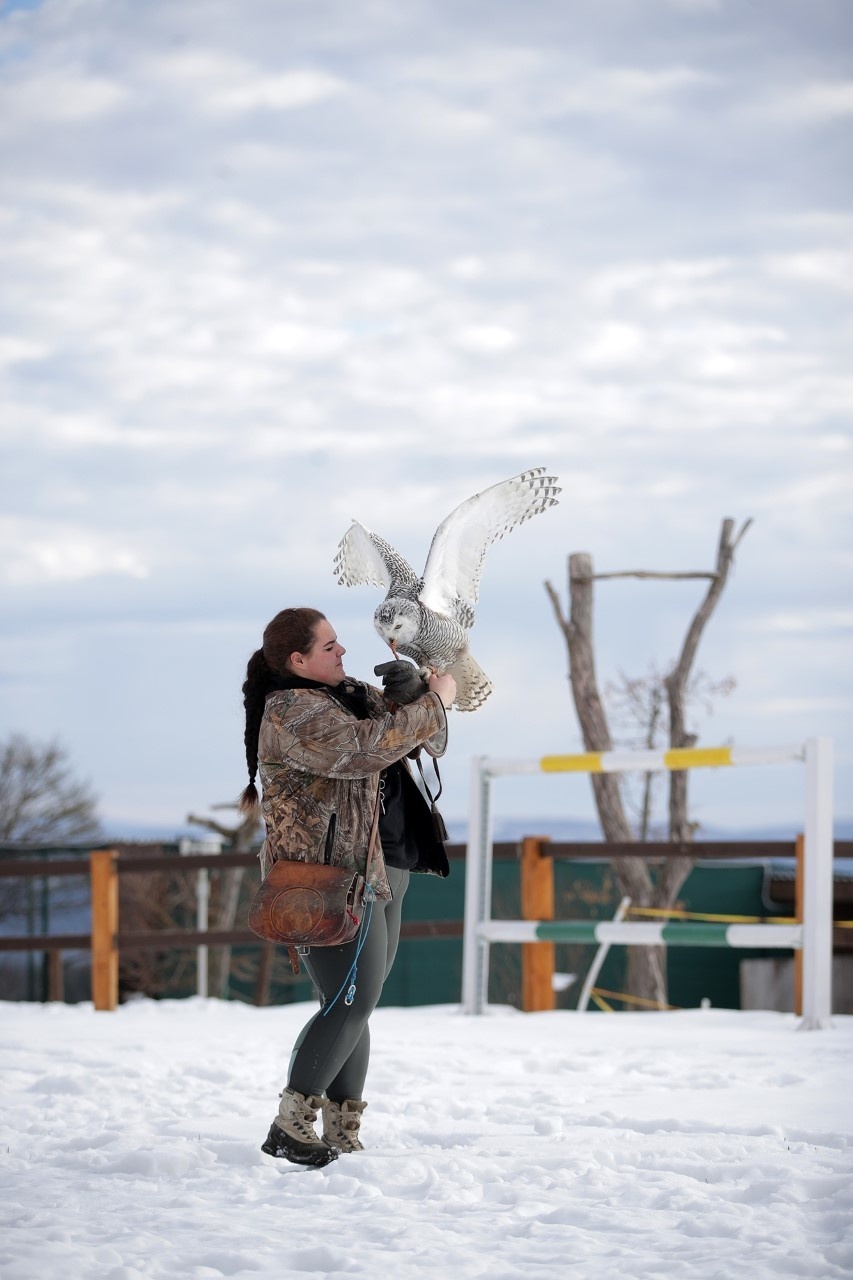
x,y
556,603
211,824
676,684
648,573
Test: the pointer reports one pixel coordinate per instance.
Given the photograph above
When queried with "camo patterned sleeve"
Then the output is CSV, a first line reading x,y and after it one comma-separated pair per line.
x,y
435,746
315,735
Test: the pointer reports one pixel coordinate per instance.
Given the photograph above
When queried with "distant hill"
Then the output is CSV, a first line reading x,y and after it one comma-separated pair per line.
x,y
569,829
505,829
153,831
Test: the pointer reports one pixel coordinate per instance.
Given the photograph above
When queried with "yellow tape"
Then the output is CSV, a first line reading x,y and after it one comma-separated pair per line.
x,y
674,913
617,995
588,762
685,757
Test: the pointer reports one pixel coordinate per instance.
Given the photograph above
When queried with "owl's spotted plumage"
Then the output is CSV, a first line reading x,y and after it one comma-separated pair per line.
x,y
427,618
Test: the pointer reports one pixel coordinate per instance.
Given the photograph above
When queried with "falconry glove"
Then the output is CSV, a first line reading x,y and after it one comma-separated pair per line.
x,y
402,682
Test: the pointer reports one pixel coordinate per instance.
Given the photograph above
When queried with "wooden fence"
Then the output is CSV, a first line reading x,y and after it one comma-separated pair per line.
x,y
536,857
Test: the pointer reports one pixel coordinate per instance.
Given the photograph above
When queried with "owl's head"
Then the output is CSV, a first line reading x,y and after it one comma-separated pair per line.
x,y
398,620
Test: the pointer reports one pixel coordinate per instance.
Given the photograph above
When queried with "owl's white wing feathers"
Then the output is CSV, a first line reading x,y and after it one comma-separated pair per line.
x,y
363,558
455,561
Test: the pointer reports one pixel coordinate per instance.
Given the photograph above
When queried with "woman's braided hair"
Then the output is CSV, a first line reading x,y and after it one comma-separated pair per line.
x,y
291,631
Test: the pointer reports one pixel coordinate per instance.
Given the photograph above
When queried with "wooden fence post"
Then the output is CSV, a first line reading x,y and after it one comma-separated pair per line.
x,y
104,890
262,983
537,903
55,977
798,915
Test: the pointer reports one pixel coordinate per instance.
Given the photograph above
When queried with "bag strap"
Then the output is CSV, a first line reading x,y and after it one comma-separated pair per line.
x,y
437,821
433,798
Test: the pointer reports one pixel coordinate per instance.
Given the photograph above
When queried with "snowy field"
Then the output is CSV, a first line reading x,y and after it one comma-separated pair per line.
x,y
704,1144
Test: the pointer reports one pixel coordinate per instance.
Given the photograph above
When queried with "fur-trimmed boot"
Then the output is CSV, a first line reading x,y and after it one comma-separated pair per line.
x,y
341,1123
292,1135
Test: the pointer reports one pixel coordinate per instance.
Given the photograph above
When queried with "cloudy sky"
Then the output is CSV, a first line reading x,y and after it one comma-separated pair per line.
x,y
270,266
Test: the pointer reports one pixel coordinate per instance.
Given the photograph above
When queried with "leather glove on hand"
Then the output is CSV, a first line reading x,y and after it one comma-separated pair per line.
x,y
402,682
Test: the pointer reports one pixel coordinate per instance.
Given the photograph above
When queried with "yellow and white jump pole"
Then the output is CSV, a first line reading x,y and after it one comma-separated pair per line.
x,y
814,936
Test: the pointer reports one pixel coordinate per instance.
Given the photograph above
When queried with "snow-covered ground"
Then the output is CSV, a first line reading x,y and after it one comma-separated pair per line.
x,y
702,1144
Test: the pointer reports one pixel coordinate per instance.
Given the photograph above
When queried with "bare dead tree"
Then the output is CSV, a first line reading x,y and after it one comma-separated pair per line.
x,y
646,965
40,801
229,883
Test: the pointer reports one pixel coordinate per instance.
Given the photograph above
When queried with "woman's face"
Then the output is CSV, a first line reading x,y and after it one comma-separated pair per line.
x,y
322,662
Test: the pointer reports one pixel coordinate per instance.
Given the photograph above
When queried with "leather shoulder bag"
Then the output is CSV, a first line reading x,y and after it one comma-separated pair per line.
x,y
308,904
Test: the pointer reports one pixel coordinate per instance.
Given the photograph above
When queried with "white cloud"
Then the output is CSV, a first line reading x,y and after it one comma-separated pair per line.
x,y
469,268
276,93
834,442
427,115
486,339
810,621
615,345
55,96
667,284
813,494
489,66
222,84
14,350
826,268
629,91
302,342
794,706
815,103
35,552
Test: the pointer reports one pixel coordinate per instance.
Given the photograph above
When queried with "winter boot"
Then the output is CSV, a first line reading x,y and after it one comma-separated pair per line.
x,y
341,1123
292,1135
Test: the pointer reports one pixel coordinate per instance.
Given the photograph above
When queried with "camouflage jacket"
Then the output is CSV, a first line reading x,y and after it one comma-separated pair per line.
x,y
319,767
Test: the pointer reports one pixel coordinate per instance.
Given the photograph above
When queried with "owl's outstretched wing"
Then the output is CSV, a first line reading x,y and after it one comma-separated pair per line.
x,y
455,561
365,558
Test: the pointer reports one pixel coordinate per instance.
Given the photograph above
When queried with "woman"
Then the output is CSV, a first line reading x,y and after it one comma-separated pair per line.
x,y
330,752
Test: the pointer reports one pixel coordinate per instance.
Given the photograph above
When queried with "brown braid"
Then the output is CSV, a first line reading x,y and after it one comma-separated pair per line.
x,y
291,631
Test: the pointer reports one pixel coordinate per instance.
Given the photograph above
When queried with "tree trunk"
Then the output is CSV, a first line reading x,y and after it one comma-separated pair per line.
x,y
646,965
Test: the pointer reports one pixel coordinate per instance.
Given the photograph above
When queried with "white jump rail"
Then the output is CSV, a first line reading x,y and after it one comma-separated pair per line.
x,y
813,936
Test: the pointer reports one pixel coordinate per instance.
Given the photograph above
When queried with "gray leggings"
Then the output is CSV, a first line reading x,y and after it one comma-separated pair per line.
x,y
332,1051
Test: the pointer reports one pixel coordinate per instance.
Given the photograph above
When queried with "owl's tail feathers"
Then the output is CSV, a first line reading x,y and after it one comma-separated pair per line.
x,y
473,686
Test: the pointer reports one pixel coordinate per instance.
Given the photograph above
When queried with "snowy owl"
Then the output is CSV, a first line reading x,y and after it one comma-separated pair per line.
x,y
428,618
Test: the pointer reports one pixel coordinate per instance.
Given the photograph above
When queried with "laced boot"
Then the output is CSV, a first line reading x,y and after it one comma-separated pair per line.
x,y
292,1135
341,1123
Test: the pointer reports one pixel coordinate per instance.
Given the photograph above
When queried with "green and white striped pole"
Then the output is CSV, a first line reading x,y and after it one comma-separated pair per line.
x,y
643,933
